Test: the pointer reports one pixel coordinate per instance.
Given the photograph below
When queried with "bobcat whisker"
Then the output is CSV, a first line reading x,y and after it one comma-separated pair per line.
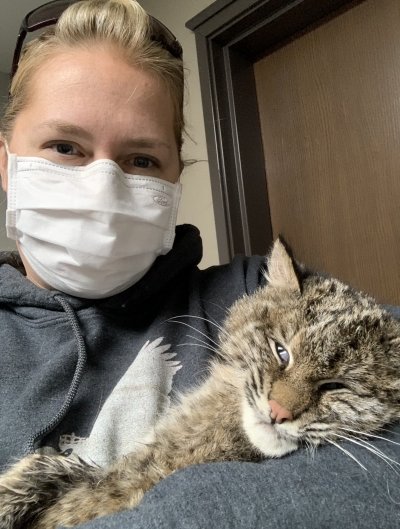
x,y
204,342
364,444
396,502
217,325
359,439
207,320
310,447
370,435
173,320
349,454
379,452
225,310
221,329
382,456
389,431
200,344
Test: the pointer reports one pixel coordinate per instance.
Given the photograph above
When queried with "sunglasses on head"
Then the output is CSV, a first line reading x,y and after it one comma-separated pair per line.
x,y
48,14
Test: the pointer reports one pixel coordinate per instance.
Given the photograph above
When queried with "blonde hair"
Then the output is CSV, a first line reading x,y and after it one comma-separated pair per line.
x,y
122,23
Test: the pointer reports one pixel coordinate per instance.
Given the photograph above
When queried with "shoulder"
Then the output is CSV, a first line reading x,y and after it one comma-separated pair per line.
x,y
231,281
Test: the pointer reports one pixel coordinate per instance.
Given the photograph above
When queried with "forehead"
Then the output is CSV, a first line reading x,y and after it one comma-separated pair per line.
x,y
97,88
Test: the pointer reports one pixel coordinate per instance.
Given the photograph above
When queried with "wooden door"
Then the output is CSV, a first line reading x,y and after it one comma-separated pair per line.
x,y
329,105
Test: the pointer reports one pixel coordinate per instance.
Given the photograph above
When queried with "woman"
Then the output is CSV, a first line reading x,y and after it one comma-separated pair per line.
x,y
93,350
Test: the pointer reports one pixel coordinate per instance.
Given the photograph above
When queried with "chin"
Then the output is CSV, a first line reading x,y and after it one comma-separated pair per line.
x,y
269,439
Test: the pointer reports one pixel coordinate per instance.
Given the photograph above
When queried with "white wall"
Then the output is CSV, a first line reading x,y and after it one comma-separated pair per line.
x,y
196,205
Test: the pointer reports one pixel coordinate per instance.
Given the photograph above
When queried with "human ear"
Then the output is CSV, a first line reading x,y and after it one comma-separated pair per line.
x,y
3,164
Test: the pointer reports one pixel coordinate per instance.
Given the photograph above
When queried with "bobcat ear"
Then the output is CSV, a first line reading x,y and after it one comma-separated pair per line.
x,y
281,271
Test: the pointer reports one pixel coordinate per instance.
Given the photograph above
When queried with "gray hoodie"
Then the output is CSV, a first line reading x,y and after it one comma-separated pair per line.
x,y
92,376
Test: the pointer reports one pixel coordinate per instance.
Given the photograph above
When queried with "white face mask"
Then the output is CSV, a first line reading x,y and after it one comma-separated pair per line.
x,y
89,231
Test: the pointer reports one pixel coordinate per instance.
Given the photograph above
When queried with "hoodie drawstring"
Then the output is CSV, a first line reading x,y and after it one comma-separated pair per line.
x,y
76,380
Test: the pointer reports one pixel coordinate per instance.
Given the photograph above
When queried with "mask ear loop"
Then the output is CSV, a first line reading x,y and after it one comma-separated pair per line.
x,y
11,214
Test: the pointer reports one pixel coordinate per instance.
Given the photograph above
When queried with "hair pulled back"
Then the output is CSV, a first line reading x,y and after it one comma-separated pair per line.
x,y
120,23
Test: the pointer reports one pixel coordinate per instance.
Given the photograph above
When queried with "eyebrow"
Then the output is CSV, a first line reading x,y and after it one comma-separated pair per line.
x,y
63,127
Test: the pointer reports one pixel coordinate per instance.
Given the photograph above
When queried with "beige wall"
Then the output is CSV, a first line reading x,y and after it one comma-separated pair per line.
x,y
3,88
5,244
196,205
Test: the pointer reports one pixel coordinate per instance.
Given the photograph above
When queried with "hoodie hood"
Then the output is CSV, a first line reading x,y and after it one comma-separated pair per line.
x,y
186,253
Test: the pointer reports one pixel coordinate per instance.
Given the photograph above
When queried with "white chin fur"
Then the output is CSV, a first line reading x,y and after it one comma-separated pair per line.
x,y
265,436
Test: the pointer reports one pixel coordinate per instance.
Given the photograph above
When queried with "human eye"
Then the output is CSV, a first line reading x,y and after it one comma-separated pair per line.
x,y
64,148
143,162
64,152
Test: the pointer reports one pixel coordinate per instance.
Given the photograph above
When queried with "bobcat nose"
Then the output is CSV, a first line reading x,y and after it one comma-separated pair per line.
x,y
278,413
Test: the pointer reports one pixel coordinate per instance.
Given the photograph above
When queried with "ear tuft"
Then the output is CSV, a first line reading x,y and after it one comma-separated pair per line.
x,y
281,272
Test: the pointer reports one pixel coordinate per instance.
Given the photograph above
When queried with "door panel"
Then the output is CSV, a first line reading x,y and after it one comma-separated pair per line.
x,y
330,117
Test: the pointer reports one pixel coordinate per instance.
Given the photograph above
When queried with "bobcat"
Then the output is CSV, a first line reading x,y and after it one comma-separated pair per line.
x,y
304,359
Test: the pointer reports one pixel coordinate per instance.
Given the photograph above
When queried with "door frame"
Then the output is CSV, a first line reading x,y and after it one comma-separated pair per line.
x,y
231,35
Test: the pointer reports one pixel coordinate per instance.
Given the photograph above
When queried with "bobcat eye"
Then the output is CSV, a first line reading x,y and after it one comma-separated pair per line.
x,y
331,385
282,354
